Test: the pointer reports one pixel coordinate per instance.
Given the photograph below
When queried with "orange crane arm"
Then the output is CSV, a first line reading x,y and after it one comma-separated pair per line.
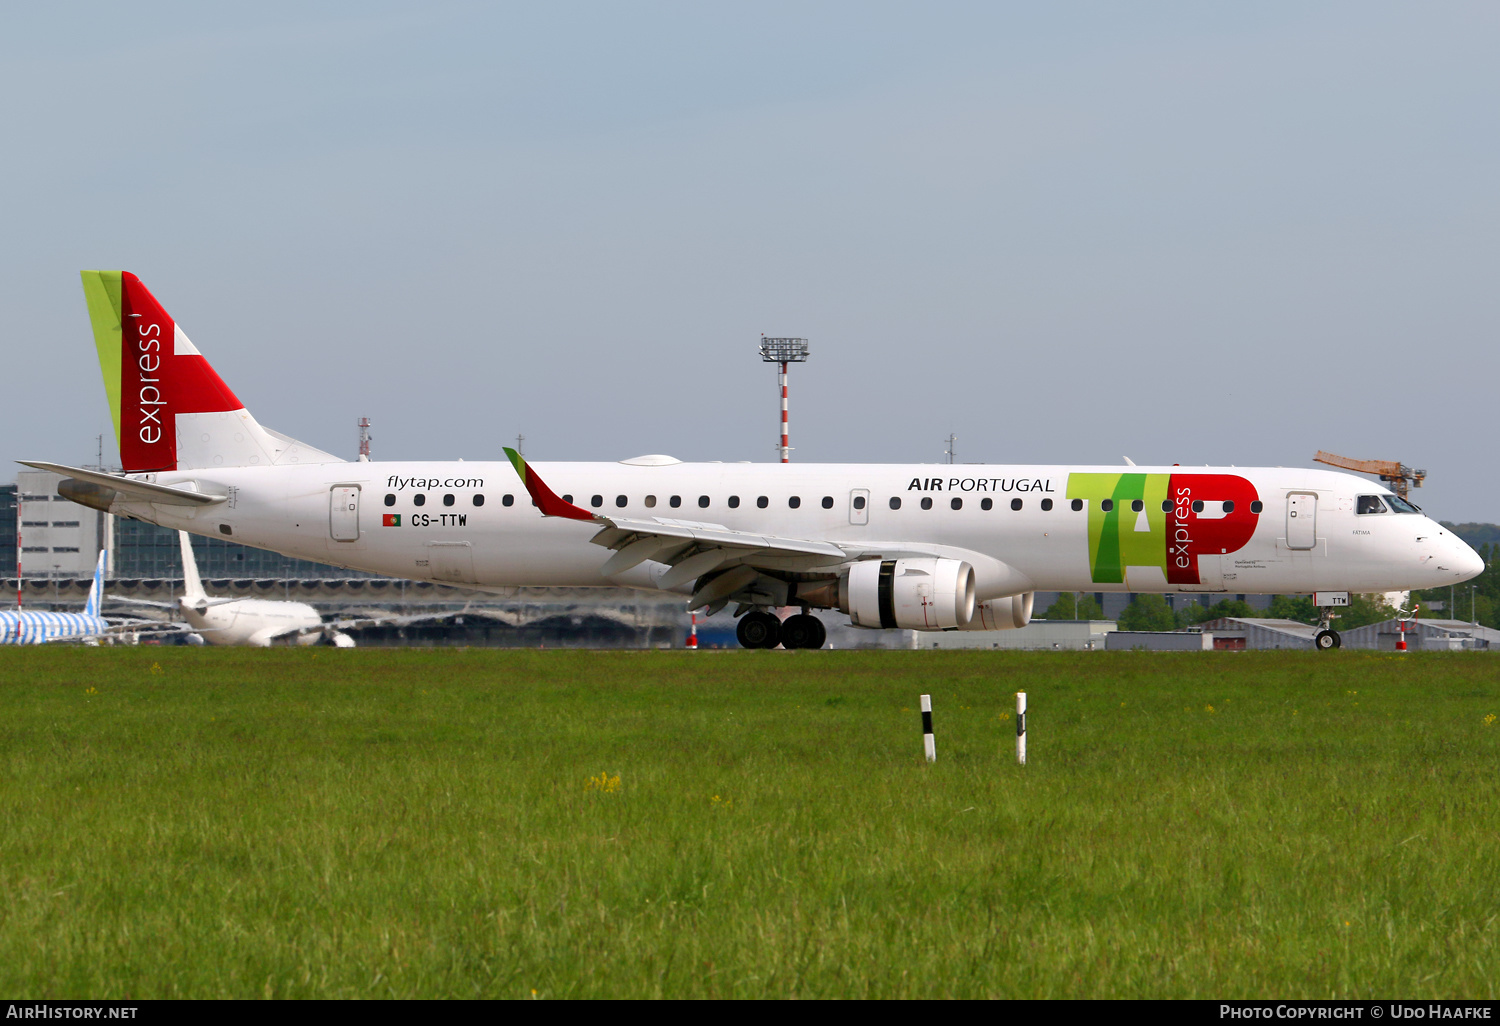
x,y
1401,477
1384,468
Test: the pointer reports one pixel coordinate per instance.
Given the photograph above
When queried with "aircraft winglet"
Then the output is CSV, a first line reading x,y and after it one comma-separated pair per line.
x,y
545,498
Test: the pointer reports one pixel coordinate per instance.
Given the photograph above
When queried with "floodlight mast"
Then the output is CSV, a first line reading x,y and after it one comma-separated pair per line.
x,y
783,351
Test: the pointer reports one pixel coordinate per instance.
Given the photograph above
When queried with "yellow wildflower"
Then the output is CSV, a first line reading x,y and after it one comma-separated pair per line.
x,y
603,782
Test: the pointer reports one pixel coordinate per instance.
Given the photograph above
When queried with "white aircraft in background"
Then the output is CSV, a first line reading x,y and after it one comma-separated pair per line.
x,y
259,623
916,547
37,627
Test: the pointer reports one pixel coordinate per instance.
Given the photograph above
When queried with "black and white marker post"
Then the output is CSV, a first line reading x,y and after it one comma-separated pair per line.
x,y
928,745
1021,727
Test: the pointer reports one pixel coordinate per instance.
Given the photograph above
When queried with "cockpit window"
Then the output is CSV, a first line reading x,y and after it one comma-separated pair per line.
x,y
1400,505
1369,504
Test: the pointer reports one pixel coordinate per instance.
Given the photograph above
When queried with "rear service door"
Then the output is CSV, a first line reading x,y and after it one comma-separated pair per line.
x,y
343,513
1301,520
859,506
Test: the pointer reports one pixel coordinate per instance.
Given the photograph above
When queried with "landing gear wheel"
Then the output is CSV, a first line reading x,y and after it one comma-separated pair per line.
x,y
1327,640
803,631
759,630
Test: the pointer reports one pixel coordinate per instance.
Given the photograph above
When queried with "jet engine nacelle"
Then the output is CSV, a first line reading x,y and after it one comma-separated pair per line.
x,y
1002,614
917,594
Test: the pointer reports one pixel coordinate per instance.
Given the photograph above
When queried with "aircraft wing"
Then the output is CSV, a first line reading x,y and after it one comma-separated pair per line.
x,y
140,602
692,549
141,627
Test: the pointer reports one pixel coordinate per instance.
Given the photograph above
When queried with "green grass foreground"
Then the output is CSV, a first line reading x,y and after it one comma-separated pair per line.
x,y
326,823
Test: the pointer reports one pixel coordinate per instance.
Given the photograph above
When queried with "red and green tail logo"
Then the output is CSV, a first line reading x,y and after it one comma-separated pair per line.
x,y
1163,521
152,372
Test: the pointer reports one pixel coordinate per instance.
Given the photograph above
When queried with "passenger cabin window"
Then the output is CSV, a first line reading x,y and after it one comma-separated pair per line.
x,y
448,499
794,501
1369,504
1077,505
734,502
895,502
390,500
419,499
1015,503
762,501
1228,506
650,502
620,501
478,499
1197,505
1046,504
1106,505
703,502
956,503
986,503
566,498
597,501
828,502
675,501
1136,505
507,500
927,502
859,502
1257,506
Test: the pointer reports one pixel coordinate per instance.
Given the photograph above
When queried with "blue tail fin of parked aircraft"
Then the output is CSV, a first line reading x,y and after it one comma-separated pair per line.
x,y
96,593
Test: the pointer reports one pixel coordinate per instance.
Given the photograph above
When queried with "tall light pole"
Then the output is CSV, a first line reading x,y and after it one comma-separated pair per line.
x,y
18,555
783,351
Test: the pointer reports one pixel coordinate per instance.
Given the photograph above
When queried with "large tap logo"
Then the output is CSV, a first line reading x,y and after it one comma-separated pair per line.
x,y
1163,520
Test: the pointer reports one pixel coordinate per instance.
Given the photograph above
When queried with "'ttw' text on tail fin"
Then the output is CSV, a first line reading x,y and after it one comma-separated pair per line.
x,y
170,410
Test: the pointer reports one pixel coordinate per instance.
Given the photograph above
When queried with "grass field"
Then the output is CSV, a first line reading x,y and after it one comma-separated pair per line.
x,y
335,823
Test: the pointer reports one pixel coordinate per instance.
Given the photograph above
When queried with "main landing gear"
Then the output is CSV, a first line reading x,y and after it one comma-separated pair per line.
x,y
760,629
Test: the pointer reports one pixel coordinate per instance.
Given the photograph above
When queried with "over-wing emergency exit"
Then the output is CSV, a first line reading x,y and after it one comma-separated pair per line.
x,y
919,547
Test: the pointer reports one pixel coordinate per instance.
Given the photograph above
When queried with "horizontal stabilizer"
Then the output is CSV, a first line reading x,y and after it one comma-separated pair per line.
x,y
139,491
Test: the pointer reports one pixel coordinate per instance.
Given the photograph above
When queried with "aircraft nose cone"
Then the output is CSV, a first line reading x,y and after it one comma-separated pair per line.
x,y
1469,563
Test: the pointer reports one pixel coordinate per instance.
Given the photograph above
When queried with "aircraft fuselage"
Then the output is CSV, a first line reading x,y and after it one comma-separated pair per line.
x,y
1034,528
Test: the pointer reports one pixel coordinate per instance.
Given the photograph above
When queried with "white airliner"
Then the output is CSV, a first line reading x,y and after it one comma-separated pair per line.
x,y
258,623
919,547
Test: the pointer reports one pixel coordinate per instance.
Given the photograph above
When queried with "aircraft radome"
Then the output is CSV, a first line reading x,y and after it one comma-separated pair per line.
x,y
922,547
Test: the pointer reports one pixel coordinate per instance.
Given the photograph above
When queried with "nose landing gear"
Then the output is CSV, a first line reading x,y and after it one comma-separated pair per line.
x,y
1327,639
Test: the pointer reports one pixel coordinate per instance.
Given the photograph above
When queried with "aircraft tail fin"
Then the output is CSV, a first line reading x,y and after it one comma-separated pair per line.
x,y
171,411
96,591
192,584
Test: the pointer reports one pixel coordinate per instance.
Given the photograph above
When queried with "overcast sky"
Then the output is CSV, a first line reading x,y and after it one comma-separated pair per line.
x,y
1068,232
